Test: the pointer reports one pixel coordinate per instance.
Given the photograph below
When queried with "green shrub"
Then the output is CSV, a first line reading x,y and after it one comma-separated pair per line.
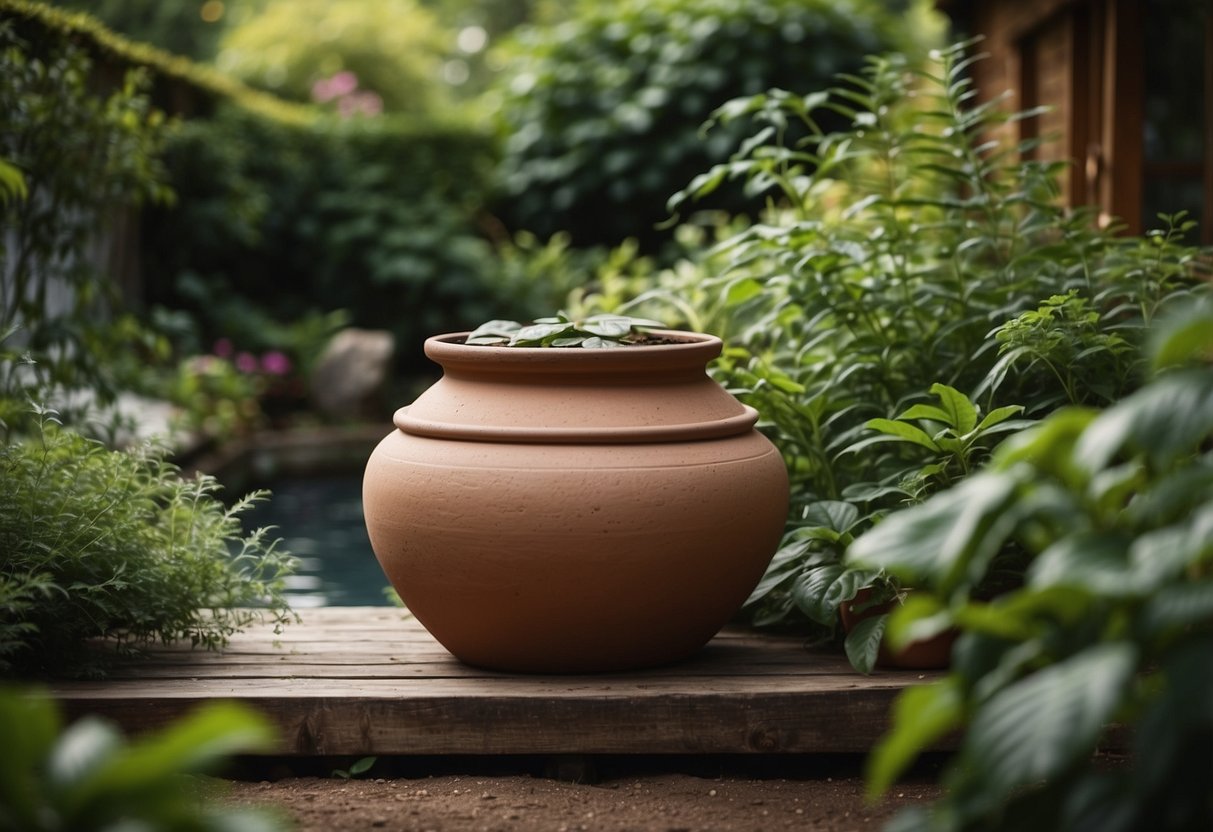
x,y
601,113
115,544
173,25
276,222
909,250
1113,625
86,776
393,48
84,158
47,26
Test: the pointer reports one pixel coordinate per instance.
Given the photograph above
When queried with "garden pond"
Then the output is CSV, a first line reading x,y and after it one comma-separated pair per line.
x,y
319,519
315,506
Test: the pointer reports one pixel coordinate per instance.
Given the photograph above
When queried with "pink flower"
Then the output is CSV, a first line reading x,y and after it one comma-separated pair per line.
x,y
276,363
341,84
360,103
246,362
223,348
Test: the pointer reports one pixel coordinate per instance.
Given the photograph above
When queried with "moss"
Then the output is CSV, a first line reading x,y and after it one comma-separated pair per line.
x,y
87,32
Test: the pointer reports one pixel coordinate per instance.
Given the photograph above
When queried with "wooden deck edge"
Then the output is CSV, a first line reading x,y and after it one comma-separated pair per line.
x,y
775,723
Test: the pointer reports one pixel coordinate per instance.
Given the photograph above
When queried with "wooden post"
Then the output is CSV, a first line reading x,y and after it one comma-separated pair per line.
x,y
1123,114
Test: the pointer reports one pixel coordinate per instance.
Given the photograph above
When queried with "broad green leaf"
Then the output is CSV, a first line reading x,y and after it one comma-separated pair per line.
x,y
1177,606
1166,554
1096,562
1036,728
1185,335
997,415
847,586
921,715
742,290
29,723
953,534
363,765
948,443
1167,419
902,431
833,514
539,332
596,343
862,644
189,746
961,412
496,330
991,619
926,411
1172,495
810,591
608,327
920,616
1049,447
785,562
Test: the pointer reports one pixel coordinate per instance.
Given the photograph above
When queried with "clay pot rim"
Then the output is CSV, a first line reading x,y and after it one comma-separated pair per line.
x,y
693,350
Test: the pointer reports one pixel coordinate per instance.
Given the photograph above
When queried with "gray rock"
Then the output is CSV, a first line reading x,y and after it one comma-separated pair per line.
x,y
349,378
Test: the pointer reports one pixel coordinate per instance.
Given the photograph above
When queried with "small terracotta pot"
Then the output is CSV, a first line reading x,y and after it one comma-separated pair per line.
x,y
566,510
930,654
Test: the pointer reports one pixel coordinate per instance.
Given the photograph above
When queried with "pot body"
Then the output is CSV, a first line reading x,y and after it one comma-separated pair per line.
x,y
554,510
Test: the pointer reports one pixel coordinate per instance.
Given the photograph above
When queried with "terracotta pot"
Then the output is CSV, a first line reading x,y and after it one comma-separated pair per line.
x,y
930,654
565,510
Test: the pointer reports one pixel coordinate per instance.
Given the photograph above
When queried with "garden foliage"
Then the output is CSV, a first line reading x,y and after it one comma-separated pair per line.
x,y
278,222
95,542
87,776
393,47
83,161
101,543
601,112
911,252
1114,624
173,25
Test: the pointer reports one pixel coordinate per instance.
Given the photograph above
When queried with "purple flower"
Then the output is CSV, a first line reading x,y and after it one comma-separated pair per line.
x,y
246,362
223,348
276,363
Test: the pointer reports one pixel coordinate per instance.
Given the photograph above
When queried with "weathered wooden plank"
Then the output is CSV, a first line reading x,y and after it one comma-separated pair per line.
x,y
372,681
829,721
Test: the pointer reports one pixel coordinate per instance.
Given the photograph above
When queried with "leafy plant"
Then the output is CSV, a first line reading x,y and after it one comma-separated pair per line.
x,y
594,332
601,112
115,544
82,159
356,769
1113,625
86,776
902,250
954,432
808,576
1062,338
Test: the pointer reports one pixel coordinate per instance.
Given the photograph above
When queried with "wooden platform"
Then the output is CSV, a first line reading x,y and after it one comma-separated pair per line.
x,y
370,680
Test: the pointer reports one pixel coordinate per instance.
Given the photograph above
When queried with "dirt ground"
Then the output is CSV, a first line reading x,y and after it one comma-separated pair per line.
x,y
644,799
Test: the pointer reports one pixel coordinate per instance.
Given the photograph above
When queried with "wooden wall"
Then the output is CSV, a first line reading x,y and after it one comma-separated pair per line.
x,y
1082,59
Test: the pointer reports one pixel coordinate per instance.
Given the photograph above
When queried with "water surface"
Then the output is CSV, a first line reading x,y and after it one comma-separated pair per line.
x,y
320,522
